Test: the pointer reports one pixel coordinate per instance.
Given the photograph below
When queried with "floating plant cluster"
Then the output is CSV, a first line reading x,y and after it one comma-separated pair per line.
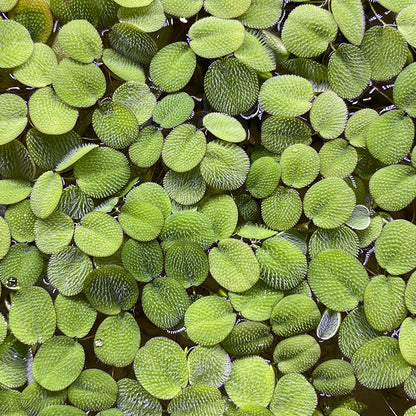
x,y
197,198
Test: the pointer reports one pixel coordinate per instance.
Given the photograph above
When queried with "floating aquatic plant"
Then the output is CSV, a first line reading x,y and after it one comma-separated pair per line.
x,y
207,207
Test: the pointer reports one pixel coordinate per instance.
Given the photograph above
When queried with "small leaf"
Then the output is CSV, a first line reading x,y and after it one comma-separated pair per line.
x,y
58,363
251,381
160,366
212,37
209,320
329,324
378,364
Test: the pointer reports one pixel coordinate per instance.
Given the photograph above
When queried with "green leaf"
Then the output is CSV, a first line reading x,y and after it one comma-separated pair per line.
x,y
110,289
293,395
77,84
183,148
74,315
74,9
354,332
224,127
282,265
13,118
386,50
180,9
5,239
393,187
315,72
153,193
16,162
197,400
144,260
46,194
296,354
208,365
80,41
263,177
406,20
367,236
115,124
16,46
262,14
358,125
160,366
340,238
308,30
225,165
98,235
173,109
395,247
286,95
255,53
142,221
58,362
295,172
407,339
294,314
49,114
164,302
54,232
230,85
338,279
279,132
186,188
14,358
148,18
123,67
102,172
187,263
21,267
48,150
35,398
390,136
221,209
256,303
134,44
134,400
93,390
173,66
254,231
281,210
233,265
251,381
117,340
348,70
378,364
350,18
248,338
384,305
334,377
209,320
138,97
410,294
32,315
329,202
14,190
212,37
63,410
328,115
67,270
338,159
404,90
147,149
